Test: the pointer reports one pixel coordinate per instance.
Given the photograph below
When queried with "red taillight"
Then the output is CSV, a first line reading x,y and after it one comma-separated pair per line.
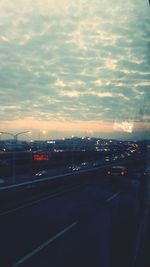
x,y
122,173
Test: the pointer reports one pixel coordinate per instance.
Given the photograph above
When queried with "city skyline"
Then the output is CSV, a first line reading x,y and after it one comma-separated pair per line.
x,y
75,68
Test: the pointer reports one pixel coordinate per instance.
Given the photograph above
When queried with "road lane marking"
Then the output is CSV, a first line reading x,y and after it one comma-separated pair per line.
x,y
40,200
54,194
112,197
45,244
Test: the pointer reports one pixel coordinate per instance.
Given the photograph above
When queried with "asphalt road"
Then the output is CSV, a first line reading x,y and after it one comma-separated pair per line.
x,y
93,225
26,173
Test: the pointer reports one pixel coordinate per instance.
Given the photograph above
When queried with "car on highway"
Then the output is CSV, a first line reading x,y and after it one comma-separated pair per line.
x,y
107,159
41,173
114,157
117,171
84,164
75,168
95,164
146,172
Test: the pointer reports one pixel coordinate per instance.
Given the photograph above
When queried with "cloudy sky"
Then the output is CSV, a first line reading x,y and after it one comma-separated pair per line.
x,y
75,67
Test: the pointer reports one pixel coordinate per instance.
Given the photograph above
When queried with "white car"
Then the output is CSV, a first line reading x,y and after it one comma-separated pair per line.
x,y
75,168
41,173
84,164
107,159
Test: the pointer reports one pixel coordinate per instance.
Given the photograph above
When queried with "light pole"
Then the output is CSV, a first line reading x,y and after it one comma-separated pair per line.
x,y
41,132
15,137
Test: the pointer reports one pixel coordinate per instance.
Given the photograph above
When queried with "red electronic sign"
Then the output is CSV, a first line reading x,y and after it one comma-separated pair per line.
x,y
41,157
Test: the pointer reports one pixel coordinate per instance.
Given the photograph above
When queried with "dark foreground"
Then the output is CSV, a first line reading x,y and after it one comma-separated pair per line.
x,y
93,222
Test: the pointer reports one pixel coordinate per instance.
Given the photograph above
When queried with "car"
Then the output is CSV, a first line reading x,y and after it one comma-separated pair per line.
x,y
84,164
147,171
107,159
75,168
128,154
114,158
117,171
95,164
41,173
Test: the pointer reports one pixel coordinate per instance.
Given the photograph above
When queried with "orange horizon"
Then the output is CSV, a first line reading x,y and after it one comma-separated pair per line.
x,y
76,126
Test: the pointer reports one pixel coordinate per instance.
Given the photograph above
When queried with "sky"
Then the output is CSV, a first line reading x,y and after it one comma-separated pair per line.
x,y
75,67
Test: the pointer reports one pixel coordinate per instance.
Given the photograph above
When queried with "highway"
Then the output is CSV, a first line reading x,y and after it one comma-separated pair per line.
x,y
27,170
28,176
90,223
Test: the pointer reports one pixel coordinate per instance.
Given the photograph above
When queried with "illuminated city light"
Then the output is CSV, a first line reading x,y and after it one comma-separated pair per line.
x,y
41,157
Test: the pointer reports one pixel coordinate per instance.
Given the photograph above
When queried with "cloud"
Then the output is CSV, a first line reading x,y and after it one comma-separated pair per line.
x,y
74,61
124,126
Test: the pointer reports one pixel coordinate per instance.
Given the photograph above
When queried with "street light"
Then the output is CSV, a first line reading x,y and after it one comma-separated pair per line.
x,y
15,137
